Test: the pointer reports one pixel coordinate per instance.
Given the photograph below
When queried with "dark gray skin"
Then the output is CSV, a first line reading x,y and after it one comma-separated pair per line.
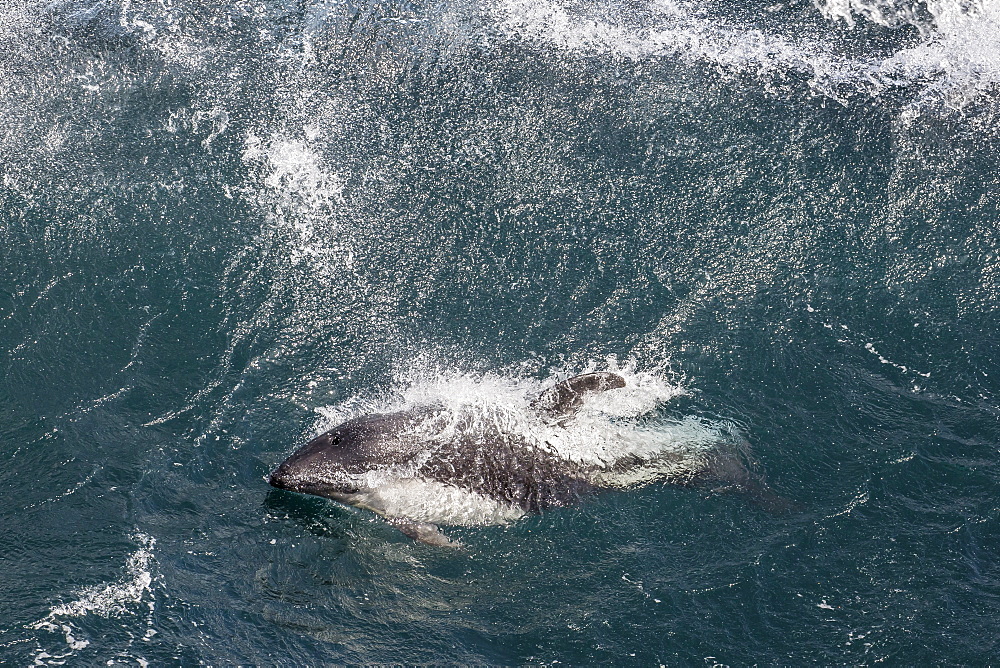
x,y
502,471
353,447
487,462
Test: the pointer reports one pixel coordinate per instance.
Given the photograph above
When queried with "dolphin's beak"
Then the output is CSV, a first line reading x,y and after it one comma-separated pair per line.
x,y
289,478
279,478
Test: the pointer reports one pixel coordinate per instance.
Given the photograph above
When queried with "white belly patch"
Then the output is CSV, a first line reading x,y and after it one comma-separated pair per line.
x,y
431,501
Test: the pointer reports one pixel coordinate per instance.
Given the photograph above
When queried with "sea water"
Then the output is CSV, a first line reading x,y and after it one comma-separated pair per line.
x,y
224,226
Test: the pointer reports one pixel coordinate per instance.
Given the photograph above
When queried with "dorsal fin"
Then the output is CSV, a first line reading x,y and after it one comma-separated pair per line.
x,y
562,399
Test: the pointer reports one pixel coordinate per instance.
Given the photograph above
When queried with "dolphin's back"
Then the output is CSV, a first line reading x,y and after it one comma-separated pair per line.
x,y
508,469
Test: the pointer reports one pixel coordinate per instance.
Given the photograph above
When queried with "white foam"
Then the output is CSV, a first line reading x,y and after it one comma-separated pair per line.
x,y
888,13
293,171
960,55
115,598
112,599
301,194
957,58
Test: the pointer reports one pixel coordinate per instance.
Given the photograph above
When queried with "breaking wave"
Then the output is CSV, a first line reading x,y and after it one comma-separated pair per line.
x,y
955,59
121,598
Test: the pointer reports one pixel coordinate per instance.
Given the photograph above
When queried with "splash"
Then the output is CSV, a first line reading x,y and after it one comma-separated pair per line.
x,y
960,56
301,193
611,428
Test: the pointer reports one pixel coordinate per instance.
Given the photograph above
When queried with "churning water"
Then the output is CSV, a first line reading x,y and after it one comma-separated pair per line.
x,y
225,226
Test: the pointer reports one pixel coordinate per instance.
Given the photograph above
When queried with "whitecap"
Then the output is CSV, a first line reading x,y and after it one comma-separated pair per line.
x,y
111,599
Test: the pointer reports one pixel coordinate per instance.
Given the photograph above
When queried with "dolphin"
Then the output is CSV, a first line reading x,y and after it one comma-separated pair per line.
x,y
426,466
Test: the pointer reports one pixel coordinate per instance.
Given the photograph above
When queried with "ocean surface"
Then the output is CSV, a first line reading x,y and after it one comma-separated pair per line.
x,y
225,226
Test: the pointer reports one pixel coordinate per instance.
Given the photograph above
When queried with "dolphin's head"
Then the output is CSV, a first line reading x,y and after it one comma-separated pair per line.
x,y
339,463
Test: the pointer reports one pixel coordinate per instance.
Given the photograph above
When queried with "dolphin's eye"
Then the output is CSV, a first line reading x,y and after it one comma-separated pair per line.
x,y
335,440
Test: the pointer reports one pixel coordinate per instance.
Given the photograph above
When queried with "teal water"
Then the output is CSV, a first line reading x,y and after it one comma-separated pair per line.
x,y
224,224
